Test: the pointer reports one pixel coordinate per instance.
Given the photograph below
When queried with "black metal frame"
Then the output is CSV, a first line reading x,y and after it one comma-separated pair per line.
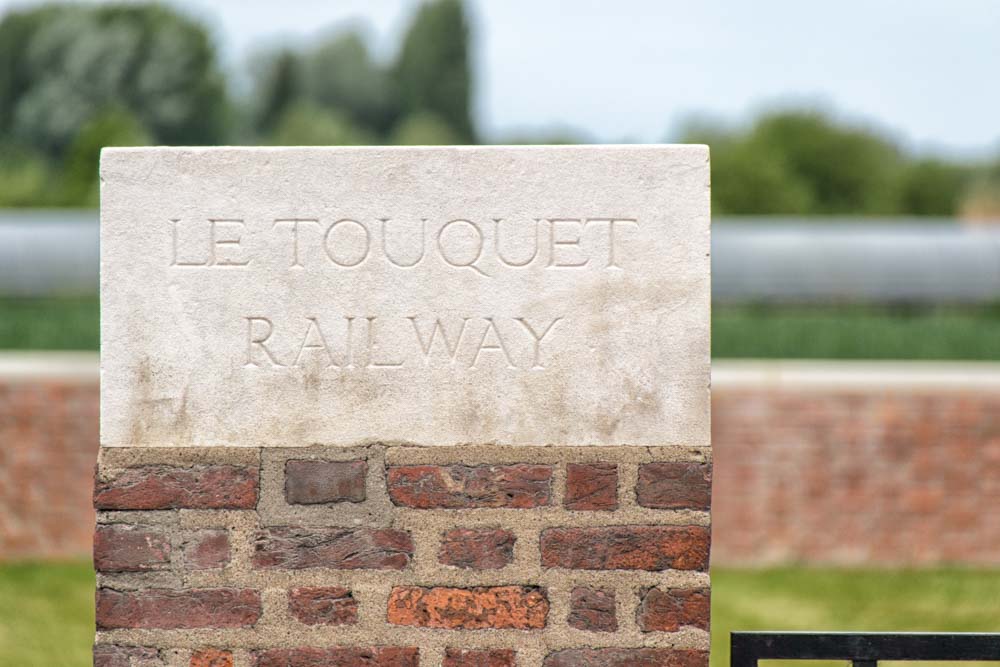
x,y
864,649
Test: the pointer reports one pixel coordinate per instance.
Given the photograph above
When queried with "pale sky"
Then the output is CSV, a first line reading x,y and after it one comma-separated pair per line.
x,y
635,69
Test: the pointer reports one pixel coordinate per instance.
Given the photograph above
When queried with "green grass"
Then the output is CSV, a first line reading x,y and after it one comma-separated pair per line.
x,y
872,601
856,332
47,618
46,614
803,332
66,323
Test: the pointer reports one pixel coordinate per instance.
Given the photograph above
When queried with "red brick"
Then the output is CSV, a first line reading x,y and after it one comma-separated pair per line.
x,y
626,548
211,657
296,548
591,486
124,548
206,550
160,487
667,610
592,609
377,656
627,657
519,486
675,485
316,482
113,655
172,609
499,607
468,657
323,605
477,549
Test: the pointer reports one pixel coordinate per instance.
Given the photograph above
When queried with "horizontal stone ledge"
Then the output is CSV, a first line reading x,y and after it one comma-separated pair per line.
x,y
84,368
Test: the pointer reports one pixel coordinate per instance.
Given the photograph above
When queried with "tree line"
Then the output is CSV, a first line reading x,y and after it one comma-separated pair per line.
x,y
75,78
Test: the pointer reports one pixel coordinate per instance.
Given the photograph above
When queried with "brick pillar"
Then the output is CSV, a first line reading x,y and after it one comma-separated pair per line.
x,y
402,556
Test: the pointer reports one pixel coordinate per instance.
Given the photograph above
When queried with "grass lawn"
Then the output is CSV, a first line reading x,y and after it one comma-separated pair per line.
x,y
46,611
737,331
46,614
856,332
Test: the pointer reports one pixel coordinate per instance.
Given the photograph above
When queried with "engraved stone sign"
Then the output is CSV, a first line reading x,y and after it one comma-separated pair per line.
x,y
430,296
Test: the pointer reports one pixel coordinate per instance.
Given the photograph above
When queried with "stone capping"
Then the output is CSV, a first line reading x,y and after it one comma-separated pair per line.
x,y
49,365
84,368
856,375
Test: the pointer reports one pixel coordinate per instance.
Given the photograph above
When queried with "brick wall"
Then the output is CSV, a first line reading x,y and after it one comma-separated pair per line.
x,y
819,470
400,557
48,445
856,475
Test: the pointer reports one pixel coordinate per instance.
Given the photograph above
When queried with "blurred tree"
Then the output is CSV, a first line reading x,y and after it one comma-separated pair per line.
x,y
114,127
341,74
306,124
933,187
278,88
62,64
423,128
803,162
25,178
432,69
846,169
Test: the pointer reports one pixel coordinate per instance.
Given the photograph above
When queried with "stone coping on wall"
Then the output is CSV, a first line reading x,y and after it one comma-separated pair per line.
x,y
84,367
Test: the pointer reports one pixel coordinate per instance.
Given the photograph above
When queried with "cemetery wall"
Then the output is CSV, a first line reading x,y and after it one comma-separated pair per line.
x,y
841,473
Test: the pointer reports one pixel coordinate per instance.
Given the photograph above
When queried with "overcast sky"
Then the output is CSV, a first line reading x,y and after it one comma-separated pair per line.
x,y
635,69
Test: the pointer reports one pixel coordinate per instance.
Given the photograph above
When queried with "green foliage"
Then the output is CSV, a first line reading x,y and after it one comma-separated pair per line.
x,y
115,127
340,74
64,64
934,187
25,179
423,128
432,70
846,169
305,124
806,163
279,87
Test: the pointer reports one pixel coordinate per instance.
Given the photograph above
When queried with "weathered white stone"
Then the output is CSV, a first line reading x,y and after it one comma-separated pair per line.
x,y
432,296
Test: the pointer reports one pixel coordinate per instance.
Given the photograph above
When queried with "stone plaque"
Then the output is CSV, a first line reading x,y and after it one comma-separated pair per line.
x,y
428,296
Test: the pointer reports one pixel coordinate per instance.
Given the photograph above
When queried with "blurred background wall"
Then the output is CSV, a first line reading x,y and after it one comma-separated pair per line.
x,y
856,190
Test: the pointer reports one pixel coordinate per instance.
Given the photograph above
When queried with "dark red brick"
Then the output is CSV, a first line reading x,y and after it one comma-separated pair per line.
x,y
172,609
675,485
296,548
666,610
476,548
376,656
113,655
125,548
323,605
317,482
592,609
520,486
591,486
468,657
626,548
160,487
206,549
211,657
627,657
498,607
